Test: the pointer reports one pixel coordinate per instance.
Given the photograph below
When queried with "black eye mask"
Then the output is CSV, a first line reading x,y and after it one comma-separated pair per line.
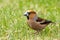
x,y
28,13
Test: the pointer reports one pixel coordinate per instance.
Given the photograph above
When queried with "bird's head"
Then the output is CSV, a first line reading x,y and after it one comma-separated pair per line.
x,y
30,14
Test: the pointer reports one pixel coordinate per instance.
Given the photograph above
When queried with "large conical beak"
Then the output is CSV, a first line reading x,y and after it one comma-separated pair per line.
x,y
25,14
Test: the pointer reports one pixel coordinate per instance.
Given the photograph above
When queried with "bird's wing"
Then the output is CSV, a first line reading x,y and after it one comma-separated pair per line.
x,y
43,21
35,25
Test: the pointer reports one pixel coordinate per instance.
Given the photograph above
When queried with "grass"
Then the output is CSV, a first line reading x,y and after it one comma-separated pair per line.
x,y
13,24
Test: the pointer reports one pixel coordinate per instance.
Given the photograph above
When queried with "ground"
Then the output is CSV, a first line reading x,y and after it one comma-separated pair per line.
x,y
13,24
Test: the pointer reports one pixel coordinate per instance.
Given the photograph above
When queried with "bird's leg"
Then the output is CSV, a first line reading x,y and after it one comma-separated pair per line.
x,y
37,32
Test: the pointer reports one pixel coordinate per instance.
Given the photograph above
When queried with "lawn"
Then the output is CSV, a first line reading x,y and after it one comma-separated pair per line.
x,y
13,24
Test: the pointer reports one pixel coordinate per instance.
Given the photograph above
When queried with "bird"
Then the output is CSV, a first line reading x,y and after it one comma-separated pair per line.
x,y
36,23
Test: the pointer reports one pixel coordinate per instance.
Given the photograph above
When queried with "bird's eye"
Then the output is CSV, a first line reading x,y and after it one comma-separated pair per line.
x,y
28,13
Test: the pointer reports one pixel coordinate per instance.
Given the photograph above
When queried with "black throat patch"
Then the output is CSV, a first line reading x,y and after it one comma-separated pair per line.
x,y
27,17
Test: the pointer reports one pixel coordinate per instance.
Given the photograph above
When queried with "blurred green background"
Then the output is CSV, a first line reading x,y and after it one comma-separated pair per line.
x,y
13,24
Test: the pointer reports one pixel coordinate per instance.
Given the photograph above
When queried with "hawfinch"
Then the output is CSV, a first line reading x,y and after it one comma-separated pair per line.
x,y
36,22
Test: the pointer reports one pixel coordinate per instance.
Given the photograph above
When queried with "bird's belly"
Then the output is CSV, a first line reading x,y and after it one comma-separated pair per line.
x,y
35,27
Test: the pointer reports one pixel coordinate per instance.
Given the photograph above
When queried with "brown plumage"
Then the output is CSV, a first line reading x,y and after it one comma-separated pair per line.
x,y
36,22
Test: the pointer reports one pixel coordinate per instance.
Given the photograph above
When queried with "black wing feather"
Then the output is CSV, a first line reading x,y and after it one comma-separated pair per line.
x,y
44,21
